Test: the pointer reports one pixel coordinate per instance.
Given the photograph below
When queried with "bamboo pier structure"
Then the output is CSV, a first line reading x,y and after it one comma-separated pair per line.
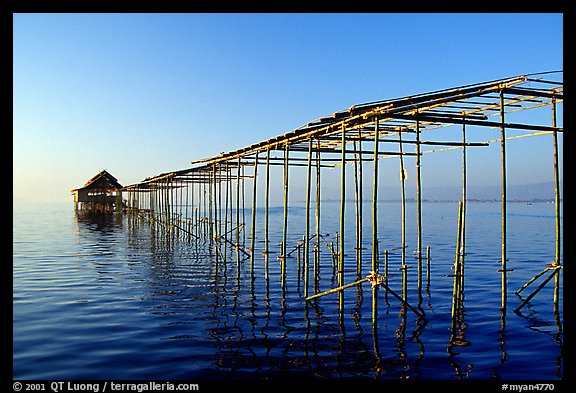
x,y
205,202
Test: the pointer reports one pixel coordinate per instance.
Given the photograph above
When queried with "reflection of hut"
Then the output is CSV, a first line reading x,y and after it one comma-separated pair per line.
x,y
100,194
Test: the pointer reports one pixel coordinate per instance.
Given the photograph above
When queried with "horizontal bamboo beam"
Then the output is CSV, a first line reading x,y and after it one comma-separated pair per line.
x,y
483,123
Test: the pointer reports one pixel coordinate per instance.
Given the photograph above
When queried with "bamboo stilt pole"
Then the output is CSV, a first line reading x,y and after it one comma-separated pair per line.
x,y
375,201
307,235
457,268
238,213
267,203
285,225
504,265
243,208
464,198
375,224
342,216
357,207
418,207
404,267
556,207
317,213
360,208
253,226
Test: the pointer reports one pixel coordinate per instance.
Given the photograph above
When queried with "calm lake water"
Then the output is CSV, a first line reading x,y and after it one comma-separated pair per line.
x,y
110,298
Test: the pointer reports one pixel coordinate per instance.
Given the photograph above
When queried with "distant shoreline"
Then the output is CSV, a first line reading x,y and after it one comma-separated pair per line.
x,y
480,200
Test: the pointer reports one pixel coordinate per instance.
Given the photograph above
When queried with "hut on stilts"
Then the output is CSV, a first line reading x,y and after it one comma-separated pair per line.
x,y
100,194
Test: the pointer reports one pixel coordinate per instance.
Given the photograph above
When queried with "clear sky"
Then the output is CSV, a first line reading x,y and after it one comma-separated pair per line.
x,y
142,94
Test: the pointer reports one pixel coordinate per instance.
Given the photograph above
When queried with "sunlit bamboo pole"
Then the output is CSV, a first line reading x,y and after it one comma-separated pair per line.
x,y
267,203
504,265
375,223
253,225
226,197
307,235
285,224
418,207
556,207
342,214
375,201
464,198
317,212
404,267
457,267
237,245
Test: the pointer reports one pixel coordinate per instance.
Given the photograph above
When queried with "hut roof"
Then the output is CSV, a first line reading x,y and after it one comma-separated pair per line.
x,y
103,177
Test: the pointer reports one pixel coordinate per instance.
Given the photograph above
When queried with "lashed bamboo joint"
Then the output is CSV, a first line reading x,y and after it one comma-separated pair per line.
x,y
206,202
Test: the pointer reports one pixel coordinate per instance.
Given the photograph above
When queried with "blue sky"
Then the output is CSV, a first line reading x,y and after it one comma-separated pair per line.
x,y
142,94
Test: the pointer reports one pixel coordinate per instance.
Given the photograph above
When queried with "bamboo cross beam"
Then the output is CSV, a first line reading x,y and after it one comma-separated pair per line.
x,y
517,309
534,279
338,289
375,279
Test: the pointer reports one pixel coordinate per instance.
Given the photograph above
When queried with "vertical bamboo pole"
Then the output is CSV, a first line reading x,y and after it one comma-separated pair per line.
x,y
192,223
403,224
457,267
503,154
226,197
285,227
464,198
307,235
375,202
204,213
386,275
216,209
361,199
342,213
418,206
357,207
238,213
375,225
167,203
267,203
211,209
253,226
556,208
318,235
243,207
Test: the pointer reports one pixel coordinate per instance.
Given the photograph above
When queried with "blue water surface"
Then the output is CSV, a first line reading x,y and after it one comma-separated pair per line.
x,y
115,298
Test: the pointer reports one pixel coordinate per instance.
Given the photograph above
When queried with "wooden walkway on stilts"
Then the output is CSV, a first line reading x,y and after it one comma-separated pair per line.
x,y
207,200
